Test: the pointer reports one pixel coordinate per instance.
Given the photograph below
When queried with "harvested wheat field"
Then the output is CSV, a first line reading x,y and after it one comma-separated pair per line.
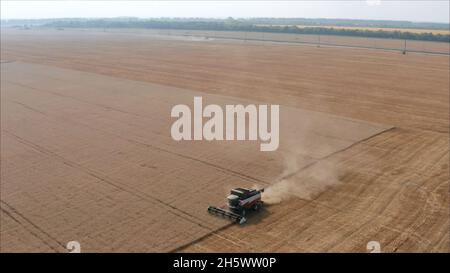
x,y
87,155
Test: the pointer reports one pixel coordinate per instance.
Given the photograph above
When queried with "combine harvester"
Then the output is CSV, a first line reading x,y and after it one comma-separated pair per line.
x,y
240,201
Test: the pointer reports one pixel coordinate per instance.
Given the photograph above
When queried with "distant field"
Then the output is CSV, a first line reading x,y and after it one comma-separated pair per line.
x,y
305,39
311,39
412,30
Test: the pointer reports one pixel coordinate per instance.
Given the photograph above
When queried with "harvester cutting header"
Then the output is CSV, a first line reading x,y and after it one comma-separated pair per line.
x,y
240,200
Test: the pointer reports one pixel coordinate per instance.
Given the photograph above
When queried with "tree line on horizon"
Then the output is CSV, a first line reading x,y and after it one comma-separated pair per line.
x,y
257,25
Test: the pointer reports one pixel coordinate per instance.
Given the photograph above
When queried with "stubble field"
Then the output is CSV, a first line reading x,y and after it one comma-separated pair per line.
x,y
87,153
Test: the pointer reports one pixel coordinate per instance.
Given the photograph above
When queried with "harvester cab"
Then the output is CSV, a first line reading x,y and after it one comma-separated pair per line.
x,y
240,200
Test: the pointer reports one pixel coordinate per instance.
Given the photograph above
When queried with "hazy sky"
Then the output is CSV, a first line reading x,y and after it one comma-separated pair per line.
x,y
421,11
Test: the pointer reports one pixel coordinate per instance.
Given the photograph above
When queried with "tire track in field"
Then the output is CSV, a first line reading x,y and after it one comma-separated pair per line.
x,y
100,177
31,227
151,146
